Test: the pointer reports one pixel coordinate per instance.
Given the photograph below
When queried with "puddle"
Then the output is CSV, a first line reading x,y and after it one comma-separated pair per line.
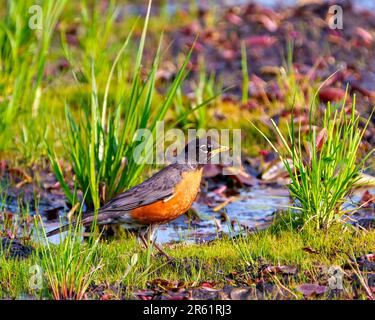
x,y
253,208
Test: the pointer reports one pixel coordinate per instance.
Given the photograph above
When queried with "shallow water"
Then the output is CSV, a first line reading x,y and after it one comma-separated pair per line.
x,y
254,209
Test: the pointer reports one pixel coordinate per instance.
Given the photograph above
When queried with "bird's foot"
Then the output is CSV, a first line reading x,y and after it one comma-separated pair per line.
x,y
153,243
163,253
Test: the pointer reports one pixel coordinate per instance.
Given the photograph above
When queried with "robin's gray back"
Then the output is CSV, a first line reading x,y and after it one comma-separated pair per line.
x,y
159,187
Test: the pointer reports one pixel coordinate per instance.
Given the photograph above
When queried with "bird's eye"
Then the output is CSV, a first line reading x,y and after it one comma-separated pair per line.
x,y
204,148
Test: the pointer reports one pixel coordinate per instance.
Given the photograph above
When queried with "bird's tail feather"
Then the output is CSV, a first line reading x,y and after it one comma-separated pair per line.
x,y
87,220
59,230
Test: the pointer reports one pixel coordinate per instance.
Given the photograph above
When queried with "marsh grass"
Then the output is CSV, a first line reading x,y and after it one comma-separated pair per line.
x,y
312,252
122,263
101,146
324,165
69,267
23,57
14,277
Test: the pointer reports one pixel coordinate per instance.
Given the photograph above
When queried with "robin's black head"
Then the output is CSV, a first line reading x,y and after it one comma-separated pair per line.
x,y
201,150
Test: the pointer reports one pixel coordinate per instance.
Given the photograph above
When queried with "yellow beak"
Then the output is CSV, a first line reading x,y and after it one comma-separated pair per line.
x,y
219,150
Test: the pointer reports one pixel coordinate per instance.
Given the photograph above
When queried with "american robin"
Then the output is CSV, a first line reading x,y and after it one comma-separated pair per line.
x,y
162,198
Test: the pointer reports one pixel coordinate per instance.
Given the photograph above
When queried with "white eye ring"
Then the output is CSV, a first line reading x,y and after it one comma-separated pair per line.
x,y
204,148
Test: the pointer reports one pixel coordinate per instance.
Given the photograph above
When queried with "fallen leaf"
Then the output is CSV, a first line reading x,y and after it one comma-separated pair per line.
x,y
260,41
321,139
72,211
364,35
144,294
240,175
51,186
207,285
269,24
211,170
364,180
275,170
167,284
271,70
311,289
287,270
310,250
240,294
367,199
21,174
233,18
106,296
331,94
220,191
225,203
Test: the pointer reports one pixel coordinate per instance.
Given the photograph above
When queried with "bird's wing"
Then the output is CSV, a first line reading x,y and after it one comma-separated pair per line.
x,y
159,187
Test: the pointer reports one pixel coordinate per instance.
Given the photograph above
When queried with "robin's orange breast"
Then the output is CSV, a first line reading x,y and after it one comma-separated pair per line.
x,y
169,209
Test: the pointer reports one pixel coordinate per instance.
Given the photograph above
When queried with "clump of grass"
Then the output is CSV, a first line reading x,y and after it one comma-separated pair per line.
x,y
14,277
101,147
323,165
23,57
281,244
69,266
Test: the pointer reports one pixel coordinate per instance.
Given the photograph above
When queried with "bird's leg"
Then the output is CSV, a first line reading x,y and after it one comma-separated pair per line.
x,y
169,258
152,229
147,242
143,239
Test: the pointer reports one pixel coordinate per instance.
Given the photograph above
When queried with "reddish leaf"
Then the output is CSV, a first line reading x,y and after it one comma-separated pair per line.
x,y
321,139
220,191
290,270
260,41
229,54
240,294
363,91
268,23
311,289
3,166
207,285
211,170
106,297
364,35
276,169
331,94
233,18
367,199
144,294
240,175
191,29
